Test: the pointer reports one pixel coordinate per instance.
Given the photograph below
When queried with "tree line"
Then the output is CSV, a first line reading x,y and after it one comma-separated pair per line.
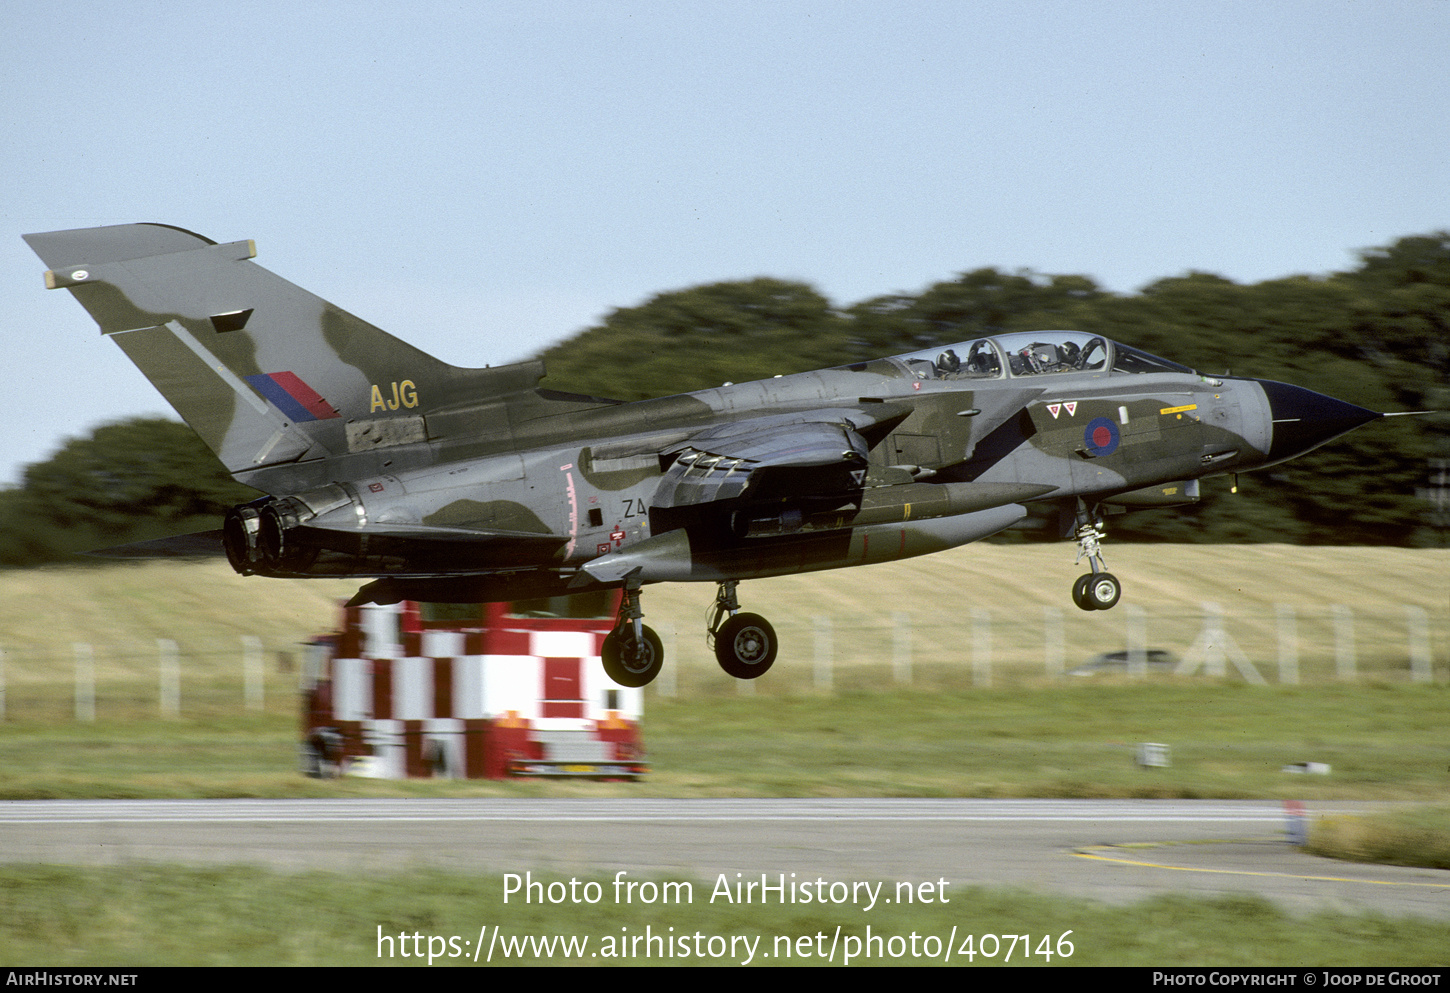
x,y
1377,335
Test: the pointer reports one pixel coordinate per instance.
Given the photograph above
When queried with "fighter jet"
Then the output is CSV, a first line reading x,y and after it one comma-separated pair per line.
x,y
456,485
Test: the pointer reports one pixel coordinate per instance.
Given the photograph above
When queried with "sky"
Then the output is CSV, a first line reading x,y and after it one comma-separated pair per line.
x,y
484,179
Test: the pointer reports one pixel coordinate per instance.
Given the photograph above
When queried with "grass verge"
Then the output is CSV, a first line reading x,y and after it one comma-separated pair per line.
x,y
1228,740
1417,837
242,916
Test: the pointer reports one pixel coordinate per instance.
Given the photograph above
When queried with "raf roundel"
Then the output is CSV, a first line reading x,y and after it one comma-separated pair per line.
x,y
1100,437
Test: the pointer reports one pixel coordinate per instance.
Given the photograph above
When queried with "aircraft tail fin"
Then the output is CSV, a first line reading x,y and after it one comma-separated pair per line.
x,y
268,374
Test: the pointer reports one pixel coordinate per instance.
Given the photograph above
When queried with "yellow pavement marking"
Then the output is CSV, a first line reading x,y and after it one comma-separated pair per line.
x,y
1087,853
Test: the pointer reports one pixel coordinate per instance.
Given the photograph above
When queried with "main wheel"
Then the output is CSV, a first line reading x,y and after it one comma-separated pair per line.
x,y
1079,592
629,664
1103,591
745,646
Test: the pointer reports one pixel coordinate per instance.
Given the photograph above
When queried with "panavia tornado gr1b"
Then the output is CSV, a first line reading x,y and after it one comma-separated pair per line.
x,y
470,485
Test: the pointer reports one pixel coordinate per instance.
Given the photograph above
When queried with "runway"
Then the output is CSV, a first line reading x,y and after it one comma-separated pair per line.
x,y
1044,846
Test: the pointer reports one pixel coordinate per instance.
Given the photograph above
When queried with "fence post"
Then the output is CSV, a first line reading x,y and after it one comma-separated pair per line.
x,y
1415,619
1288,645
1207,649
1214,648
1137,622
1344,661
85,696
1053,642
170,676
1215,657
668,682
981,648
252,670
901,647
825,649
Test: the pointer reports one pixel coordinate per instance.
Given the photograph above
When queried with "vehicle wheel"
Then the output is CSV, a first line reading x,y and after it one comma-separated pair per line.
x,y
323,754
629,665
745,646
1103,590
1080,592
435,759
311,761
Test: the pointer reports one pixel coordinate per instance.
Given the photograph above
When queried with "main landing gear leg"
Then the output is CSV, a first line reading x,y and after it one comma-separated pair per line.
x,y
632,653
744,644
1097,590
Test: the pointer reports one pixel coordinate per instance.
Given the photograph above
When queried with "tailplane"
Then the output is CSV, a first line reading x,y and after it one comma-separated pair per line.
x,y
273,378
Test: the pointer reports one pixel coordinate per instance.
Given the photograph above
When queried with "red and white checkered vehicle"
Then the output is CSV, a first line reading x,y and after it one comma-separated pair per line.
x,y
470,691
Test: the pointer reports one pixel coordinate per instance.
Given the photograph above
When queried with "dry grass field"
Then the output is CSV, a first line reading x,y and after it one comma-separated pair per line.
x,y
1021,590
960,618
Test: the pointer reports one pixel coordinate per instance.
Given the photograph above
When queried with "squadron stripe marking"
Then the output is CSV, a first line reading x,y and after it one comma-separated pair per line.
x,y
288,393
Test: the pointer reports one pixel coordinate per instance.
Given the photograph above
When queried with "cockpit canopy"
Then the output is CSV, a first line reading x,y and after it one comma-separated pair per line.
x,y
1033,353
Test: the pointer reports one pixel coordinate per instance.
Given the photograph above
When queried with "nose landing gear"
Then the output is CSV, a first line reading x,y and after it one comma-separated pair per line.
x,y
1096,590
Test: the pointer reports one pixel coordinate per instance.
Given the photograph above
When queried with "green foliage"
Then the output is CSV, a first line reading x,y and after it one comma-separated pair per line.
x,y
981,302
1073,741
129,481
1418,836
698,338
242,915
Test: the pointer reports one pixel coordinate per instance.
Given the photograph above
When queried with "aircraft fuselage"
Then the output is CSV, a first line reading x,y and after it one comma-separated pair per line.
x,y
467,485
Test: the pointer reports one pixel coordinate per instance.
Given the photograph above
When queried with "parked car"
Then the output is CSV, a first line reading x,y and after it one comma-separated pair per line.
x,y
1157,659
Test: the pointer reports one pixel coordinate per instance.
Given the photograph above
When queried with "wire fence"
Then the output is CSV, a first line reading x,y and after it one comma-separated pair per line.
x,y
127,681
981,648
975,648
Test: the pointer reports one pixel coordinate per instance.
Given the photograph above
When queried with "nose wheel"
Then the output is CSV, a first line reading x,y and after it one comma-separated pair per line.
x,y
1097,590
745,644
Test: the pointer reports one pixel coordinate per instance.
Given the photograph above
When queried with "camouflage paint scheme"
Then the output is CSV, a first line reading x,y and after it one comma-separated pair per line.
x,y
467,485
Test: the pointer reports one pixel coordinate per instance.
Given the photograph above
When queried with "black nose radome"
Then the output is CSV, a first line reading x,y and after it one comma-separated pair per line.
x,y
1304,420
